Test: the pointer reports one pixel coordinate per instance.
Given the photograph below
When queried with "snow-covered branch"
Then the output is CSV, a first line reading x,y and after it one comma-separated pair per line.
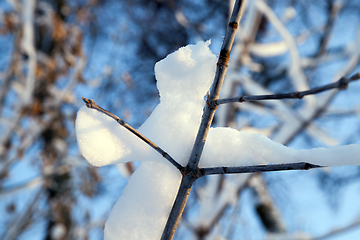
x,y
91,104
341,84
221,69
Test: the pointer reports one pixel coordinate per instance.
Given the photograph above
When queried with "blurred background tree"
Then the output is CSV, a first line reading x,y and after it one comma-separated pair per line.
x,y
53,52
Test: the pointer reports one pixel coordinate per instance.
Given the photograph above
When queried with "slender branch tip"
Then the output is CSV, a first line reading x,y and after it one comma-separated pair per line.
x,y
89,102
355,76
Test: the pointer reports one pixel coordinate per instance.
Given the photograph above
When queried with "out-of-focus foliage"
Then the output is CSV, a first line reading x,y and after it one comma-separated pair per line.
x,y
53,52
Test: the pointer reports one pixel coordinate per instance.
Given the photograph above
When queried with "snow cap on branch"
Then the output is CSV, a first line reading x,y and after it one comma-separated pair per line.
x,y
184,74
227,147
97,136
183,79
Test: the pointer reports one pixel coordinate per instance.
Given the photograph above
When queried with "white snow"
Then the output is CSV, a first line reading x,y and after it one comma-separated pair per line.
x,y
142,209
97,137
228,147
183,78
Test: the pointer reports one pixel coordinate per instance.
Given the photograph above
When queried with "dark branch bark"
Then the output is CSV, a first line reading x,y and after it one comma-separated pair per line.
x,y
257,168
91,104
340,84
191,169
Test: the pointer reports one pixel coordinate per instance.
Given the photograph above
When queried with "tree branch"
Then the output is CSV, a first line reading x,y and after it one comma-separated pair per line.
x,y
257,168
191,170
91,104
341,84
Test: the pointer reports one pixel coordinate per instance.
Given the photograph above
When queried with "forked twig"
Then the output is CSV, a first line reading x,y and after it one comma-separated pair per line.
x,y
91,104
341,84
258,168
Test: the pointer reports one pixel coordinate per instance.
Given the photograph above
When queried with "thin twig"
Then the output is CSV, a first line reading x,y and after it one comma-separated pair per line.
x,y
91,104
258,168
341,84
